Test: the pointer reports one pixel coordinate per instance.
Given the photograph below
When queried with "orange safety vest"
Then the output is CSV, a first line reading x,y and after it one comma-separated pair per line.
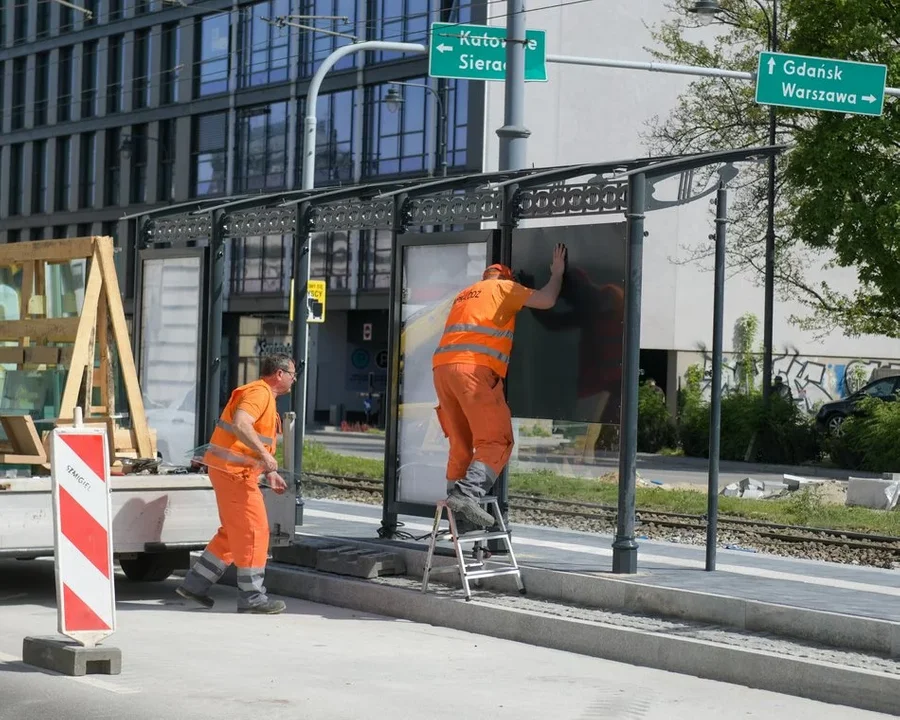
x,y
225,451
473,333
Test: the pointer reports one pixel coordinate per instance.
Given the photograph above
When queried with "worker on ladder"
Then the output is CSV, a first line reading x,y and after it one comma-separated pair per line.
x,y
469,365
241,450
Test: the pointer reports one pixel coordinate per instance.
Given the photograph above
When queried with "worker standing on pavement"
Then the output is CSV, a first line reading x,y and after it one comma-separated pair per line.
x,y
469,366
241,450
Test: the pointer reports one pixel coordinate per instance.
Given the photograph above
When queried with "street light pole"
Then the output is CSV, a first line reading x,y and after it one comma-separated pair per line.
x,y
769,316
706,10
397,100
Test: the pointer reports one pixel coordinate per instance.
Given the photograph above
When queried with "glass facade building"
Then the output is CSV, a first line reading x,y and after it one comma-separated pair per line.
x,y
151,103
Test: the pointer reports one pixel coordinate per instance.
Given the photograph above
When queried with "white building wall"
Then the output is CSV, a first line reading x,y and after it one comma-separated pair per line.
x,y
590,113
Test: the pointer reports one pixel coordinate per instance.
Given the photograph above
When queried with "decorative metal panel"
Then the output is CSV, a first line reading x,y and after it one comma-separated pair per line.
x,y
263,221
581,199
353,215
472,206
177,230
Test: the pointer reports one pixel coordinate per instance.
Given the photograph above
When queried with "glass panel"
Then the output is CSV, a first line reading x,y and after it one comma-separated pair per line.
x,y
565,372
432,276
170,334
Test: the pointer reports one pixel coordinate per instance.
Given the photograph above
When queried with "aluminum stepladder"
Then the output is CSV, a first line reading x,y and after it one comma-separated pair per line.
x,y
467,570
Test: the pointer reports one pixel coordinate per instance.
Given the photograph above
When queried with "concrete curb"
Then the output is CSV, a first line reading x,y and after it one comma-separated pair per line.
x,y
838,630
879,692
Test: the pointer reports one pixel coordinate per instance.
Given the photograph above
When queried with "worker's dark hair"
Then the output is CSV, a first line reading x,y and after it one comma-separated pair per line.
x,y
270,364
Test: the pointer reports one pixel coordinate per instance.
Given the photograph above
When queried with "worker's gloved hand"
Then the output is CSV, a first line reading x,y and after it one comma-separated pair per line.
x,y
276,482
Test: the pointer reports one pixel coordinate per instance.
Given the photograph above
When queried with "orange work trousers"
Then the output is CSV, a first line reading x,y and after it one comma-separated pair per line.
x,y
474,416
243,538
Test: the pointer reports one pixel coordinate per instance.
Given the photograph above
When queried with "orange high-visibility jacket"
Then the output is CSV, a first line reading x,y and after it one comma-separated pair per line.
x,y
481,324
226,452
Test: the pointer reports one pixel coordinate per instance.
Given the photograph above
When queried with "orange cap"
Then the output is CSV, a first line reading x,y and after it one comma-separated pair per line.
x,y
504,272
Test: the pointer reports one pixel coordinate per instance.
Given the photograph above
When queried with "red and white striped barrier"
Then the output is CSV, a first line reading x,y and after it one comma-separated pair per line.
x,y
82,524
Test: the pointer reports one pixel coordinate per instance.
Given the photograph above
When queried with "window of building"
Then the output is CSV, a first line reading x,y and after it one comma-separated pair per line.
x,y
66,18
40,170
20,22
87,170
334,139
170,53
142,65
113,154
13,236
84,230
261,147
2,29
264,49
41,87
20,74
315,47
16,178
213,52
329,257
458,122
209,154
261,264
60,232
375,251
89,79
114,10
141,7
2,86
396,138
137,148
66,83
63,179
115,73
166,176
407,138
94,7
36,234
43,19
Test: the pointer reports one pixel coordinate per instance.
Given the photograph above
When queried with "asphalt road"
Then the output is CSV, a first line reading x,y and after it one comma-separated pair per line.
x,y
667,470
316,662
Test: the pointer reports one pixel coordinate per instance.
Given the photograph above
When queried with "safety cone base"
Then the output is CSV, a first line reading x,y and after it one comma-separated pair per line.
x,y
466,570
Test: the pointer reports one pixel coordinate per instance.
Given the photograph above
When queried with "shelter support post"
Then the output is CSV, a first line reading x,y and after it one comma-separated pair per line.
x,y
298,343
392,390
624,546
715,410
216,300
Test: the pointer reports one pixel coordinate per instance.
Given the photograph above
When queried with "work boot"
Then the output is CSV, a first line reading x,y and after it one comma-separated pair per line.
x,y
205,600
269,607
469,509
204,573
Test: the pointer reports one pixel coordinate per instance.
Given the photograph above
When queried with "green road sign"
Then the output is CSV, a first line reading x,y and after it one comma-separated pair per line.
x,y
820,84
478,52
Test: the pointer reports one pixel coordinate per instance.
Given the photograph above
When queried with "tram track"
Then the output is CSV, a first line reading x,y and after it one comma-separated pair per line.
x,y
737,533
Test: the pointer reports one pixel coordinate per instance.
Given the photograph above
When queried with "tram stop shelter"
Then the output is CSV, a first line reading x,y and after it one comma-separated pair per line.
x,y
445,232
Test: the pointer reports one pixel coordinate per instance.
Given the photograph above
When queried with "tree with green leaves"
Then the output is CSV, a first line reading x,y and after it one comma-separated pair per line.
x,y
838,201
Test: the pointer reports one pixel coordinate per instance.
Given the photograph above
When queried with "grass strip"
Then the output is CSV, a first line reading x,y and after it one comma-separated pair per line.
x,y
804,507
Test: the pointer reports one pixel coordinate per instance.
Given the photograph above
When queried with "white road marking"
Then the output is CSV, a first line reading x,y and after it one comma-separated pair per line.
x,y
93,682
649,559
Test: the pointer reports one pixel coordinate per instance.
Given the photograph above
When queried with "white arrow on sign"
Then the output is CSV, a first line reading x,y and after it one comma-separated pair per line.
x,y
771,65
444,48
869,98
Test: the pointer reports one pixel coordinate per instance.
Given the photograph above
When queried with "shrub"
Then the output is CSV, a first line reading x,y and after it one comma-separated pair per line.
x,y
868,441
655,427
781,434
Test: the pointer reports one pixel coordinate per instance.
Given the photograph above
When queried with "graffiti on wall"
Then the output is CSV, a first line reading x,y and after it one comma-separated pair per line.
x,y
811,380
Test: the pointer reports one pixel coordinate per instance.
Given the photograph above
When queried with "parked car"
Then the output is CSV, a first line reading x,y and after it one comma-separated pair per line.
x,y
832,415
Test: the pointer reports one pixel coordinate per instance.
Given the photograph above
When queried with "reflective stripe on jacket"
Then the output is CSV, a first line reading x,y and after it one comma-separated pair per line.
x,y
226,451
472,333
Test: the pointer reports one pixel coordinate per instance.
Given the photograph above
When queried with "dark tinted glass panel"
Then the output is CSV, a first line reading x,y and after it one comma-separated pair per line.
x,y
567,362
